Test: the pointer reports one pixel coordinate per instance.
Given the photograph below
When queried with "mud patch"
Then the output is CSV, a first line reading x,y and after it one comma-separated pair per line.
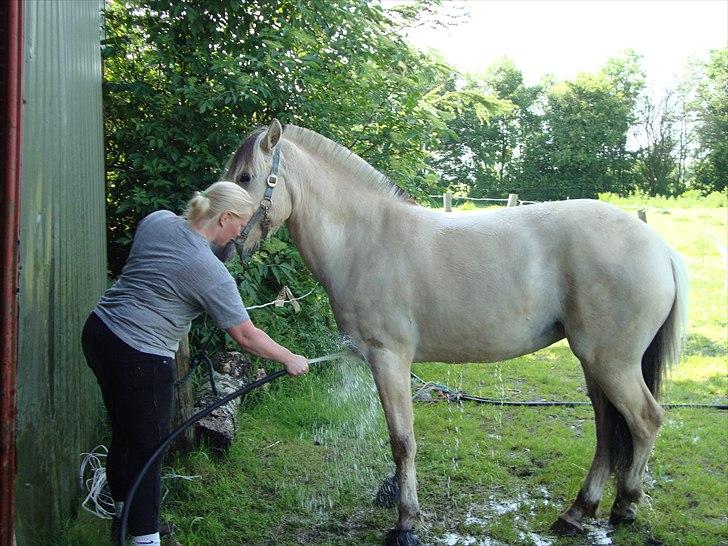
x,y
474,528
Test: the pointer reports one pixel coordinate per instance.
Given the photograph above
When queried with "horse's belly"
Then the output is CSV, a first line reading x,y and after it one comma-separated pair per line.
x,y
459,345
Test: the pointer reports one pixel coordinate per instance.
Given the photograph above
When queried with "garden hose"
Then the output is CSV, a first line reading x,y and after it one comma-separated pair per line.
x,y
180,429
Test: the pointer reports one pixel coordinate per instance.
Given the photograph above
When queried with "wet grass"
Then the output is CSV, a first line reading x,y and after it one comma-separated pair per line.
x,y
311,452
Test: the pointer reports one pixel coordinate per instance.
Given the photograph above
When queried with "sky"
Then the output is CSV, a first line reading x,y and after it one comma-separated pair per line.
x,y
565,37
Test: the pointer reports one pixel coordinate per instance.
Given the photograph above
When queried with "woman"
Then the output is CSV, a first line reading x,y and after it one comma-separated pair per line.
x,y
131,336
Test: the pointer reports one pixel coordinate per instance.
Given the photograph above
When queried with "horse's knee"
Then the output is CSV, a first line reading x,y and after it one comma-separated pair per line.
x,y
404,447
656,417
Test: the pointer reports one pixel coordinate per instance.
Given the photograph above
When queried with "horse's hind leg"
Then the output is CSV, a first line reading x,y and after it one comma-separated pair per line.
x,y
627,391
587,501
392,377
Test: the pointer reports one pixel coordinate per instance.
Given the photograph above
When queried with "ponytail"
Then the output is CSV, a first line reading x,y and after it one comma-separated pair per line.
x,y
219,198
197,207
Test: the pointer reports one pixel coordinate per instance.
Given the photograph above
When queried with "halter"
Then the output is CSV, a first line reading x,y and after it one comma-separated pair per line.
x,y
261,215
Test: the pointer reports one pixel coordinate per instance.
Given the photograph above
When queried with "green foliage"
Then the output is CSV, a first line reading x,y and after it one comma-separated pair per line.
x,y
687,200
548,141
184,80
711,171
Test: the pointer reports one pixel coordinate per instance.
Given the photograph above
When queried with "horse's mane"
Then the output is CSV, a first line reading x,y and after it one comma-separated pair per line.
x,y
321,148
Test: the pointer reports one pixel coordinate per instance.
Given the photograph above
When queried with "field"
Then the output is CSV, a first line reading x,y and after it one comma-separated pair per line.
x,y
311,452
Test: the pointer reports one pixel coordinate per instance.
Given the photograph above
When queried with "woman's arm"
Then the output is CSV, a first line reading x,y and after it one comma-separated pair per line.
x,y
256,341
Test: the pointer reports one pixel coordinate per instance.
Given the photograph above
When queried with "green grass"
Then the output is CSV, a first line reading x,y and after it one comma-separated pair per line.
x,y
311,452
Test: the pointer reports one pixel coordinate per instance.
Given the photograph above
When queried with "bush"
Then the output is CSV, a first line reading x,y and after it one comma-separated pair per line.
x,y
688,199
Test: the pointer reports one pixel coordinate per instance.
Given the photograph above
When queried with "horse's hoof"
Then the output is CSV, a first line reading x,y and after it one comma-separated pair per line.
x,y
566,528
625,517
395,537
388,494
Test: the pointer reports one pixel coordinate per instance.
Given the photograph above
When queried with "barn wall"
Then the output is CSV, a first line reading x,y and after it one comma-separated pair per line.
x,y
62,259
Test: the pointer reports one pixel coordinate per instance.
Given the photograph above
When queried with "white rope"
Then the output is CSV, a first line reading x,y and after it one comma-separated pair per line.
x,y
92,478
278,302
98,499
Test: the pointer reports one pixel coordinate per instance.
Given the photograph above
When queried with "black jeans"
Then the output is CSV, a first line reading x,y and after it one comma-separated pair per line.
x,y
138,393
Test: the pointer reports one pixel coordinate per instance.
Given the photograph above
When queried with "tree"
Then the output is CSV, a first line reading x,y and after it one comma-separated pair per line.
x,y
711,169
184,80
477,155
658,160
576,143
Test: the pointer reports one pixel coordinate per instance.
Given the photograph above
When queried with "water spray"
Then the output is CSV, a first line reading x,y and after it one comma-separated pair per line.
x,y
242,391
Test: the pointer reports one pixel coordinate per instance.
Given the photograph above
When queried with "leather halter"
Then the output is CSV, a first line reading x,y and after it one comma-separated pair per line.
x,y
261,215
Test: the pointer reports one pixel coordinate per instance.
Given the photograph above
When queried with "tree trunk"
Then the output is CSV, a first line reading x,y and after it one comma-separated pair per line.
x,y
183,400
232,371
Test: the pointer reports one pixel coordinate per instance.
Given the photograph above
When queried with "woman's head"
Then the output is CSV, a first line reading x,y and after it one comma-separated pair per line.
x,y
220,198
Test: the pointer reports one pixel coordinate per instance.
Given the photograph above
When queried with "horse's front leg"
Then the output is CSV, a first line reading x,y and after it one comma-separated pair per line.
x,y
392,377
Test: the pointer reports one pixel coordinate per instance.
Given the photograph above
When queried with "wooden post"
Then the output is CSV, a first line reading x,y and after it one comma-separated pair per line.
x,y
183,401
642,215
447,201
512,199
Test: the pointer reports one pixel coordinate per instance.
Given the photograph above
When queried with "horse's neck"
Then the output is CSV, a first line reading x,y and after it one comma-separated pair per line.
x,y
337,224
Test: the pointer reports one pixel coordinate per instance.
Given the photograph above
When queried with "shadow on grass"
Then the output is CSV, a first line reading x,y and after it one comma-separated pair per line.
x,y
695,344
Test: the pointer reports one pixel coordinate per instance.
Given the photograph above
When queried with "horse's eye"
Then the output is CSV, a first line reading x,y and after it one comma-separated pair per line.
x,y
244,178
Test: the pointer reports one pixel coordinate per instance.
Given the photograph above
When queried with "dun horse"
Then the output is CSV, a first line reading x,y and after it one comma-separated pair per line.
x,y
409,283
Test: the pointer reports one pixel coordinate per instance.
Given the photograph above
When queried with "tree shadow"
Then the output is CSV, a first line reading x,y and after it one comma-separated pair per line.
x,y
696,344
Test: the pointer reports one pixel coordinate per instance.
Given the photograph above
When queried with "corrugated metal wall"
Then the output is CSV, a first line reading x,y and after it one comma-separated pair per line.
x,y
62,258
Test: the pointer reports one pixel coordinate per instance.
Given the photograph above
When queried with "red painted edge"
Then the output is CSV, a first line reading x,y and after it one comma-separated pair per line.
x,y
10,216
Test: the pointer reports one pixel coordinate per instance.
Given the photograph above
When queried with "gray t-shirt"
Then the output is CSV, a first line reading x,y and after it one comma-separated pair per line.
x,y
170,277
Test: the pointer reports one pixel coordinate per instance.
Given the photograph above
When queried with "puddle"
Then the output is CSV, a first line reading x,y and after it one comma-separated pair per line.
x,y
453,539
480,517
598,534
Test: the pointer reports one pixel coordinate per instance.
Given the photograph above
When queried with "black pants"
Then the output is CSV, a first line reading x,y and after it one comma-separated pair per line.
x,y
138,393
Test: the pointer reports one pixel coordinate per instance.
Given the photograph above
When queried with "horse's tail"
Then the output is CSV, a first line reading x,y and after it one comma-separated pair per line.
x,y
667,344
663,351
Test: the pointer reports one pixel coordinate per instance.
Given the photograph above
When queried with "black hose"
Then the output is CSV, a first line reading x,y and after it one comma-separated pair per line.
x,y
176,432
539,403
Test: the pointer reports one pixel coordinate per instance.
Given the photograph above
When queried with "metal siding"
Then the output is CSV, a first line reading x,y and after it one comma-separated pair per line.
x,y
62,259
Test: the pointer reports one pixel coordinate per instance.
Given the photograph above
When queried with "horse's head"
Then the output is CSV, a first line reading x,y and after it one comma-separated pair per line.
x,y
259,168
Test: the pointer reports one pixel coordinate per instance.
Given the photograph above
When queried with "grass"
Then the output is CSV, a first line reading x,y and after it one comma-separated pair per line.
x,y
311,452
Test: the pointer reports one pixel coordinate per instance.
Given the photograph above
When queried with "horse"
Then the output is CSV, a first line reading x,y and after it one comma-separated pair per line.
x,y
518,279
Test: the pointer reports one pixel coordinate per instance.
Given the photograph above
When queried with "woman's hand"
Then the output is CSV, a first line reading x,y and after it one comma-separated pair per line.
x,y
298,365
256,341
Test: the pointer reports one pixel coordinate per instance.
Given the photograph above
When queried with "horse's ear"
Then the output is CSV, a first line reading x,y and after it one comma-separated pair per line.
x,y
272,136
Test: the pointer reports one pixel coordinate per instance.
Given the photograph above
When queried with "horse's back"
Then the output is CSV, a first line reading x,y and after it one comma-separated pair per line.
x,y
512,281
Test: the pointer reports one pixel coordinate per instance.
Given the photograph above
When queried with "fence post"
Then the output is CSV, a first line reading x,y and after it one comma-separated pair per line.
x,y
183,401
512,199
642,215
447,201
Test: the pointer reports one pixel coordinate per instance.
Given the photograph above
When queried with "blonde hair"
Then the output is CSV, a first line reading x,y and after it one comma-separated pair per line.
x,y
219,198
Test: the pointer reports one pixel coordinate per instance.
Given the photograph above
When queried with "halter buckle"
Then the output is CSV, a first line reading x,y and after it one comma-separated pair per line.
x,y
272,180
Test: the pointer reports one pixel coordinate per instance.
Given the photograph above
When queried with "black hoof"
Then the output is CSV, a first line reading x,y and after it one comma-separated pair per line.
x,y
395,537
388,494
627,517
566,528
